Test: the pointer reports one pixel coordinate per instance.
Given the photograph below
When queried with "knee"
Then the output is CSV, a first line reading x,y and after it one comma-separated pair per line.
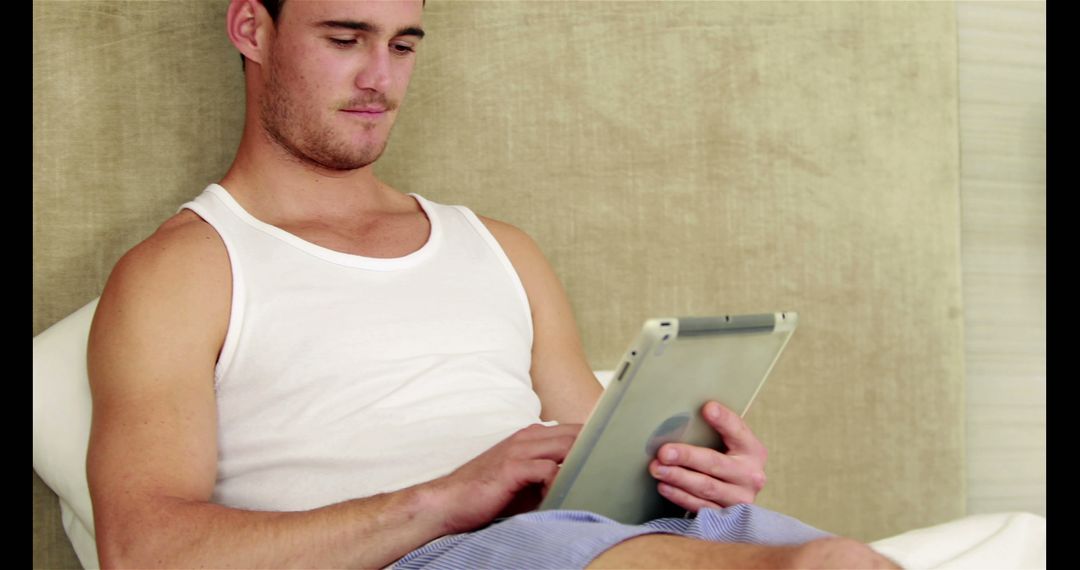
x,y
839,552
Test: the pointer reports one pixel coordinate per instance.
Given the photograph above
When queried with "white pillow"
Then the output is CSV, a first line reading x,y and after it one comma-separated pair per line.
x,y
62,424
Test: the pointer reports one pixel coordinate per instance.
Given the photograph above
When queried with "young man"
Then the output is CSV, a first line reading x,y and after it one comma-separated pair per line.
x,y
306,367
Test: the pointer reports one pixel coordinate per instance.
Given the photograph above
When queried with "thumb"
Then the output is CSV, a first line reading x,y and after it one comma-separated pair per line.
x,y
732,429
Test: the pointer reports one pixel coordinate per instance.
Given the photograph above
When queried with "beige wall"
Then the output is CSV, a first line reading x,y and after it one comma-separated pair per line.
x,y
1002,49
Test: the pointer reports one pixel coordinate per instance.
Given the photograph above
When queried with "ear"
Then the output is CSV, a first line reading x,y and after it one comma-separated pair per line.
x,y
249,27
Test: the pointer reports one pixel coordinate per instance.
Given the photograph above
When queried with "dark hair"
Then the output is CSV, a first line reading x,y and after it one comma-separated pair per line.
x,y
273,7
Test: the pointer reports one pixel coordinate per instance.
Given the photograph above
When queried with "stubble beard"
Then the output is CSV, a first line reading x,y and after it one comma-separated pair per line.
x,y
305,138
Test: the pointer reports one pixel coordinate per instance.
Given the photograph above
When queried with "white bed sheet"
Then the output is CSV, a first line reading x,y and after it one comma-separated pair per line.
x,y
1016,541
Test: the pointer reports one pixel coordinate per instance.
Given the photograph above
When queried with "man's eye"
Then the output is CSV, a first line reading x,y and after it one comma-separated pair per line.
x,y
403,48
341,42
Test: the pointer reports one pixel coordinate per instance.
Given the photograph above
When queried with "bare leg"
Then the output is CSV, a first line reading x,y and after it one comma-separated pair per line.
x,y
667,551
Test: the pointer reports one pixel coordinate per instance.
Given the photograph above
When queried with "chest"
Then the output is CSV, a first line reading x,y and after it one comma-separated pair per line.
x,y
388,236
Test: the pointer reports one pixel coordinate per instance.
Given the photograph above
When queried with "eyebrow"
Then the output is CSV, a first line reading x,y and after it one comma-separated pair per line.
x,y
368,27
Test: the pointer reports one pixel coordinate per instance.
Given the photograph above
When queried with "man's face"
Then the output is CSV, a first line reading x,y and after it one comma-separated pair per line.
x,y
335,77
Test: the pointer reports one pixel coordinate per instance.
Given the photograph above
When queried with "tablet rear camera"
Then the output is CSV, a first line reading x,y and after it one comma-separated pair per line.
x,y
670,430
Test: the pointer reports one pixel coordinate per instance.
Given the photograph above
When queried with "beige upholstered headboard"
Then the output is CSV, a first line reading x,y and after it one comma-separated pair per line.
x,y
671,158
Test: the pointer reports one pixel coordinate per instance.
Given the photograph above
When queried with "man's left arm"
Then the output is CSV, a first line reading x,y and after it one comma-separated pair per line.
x,y
561,374
692,477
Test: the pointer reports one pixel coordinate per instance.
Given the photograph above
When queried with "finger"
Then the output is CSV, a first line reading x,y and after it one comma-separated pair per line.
x,y
540,431
552,448
704,487
737,435
684,499
745,471
549,470
539,471
528,484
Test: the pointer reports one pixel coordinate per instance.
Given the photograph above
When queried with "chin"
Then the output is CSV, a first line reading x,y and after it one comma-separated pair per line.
x,y
343,162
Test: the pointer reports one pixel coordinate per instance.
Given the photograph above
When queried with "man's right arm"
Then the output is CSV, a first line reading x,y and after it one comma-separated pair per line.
x,y
152,460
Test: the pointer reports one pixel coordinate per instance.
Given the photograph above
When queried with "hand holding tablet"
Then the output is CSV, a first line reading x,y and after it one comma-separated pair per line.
x,y
654,401
698,477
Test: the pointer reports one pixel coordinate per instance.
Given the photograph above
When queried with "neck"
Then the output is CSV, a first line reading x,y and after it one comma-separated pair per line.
x,y
277,187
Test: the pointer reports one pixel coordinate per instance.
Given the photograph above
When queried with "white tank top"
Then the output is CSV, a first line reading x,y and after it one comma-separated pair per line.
x,y
343,376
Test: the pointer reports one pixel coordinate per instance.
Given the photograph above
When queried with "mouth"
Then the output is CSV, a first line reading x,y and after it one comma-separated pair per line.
x,y
367,112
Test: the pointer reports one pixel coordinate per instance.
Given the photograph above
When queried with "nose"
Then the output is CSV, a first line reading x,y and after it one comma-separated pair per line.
x,y
375,74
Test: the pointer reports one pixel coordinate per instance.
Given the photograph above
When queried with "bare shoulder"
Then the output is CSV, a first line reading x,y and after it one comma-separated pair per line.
x,y
185,237
173,287
184,251
502,229
518,245
532,266
560,372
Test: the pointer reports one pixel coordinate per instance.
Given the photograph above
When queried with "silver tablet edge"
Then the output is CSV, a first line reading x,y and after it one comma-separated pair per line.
x,y
652,332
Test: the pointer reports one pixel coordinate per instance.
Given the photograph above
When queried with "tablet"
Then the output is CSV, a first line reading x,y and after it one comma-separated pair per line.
x,y
655,396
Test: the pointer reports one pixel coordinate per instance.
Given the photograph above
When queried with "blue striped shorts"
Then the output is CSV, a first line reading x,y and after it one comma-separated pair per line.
x,y
572,539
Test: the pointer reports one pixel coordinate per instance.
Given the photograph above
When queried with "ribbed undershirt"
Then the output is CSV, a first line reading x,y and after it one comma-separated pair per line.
x,y
343,376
